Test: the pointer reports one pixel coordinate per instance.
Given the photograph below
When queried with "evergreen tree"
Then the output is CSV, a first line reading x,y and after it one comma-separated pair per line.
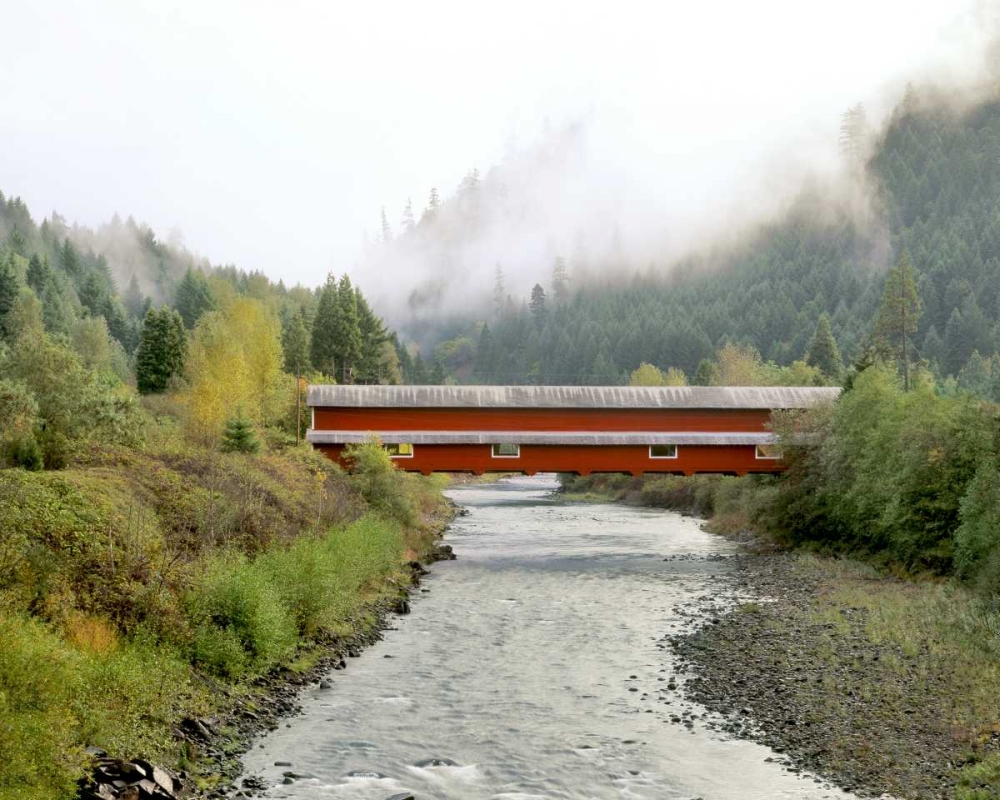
x,y
347,329
39,274
151,369
162,350
193,297
438,375
295,344
499,291
69,259
484,356
560,281
133,298
705,374
408,223
421,377
823,351
898,315
8,292
386,230
323,347
239,437
373,336
537,305
92,293
16,242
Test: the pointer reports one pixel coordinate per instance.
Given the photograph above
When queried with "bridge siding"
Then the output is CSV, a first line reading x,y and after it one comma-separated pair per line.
x,y
691,459
541,419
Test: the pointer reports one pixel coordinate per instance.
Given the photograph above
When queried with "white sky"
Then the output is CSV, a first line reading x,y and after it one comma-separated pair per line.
x,y
272,133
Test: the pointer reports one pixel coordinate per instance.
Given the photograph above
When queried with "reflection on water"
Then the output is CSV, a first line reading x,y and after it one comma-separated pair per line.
x,y
533,667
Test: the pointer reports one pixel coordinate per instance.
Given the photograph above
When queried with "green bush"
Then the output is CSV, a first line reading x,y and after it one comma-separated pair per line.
x,y
977,541
385,488
23,451
235,598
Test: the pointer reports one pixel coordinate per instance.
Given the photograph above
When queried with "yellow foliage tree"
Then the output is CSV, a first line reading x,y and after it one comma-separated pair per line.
x,y
233,367
739,365
648,375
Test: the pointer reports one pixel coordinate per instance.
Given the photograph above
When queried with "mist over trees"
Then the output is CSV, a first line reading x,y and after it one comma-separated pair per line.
x,y
927,185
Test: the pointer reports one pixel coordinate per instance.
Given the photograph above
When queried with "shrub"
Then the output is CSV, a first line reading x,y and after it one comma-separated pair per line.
x,y
383,486
977,541
236,599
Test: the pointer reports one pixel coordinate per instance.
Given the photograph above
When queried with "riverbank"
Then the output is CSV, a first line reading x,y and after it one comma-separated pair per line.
x,y
161,604
883,685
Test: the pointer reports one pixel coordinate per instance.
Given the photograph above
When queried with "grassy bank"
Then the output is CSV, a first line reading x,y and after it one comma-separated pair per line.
x,y
144,585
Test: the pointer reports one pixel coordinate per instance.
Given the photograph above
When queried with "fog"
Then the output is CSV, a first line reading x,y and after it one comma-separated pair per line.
x,y
618,133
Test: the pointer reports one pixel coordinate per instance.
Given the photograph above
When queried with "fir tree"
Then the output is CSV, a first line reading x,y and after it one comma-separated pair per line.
x,y
705,374
408,223
239,437
295,344
133,298
323,348
193,297
373,336
162,350
560,281
347,329
823,351
386,230
537,305
39,274
8,292
499,291
92,293
898,315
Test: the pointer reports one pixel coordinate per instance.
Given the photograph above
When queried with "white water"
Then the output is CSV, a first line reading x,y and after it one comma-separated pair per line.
x,y
514,670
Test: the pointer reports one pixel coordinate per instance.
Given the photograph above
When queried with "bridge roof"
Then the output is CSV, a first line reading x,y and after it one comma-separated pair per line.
x,y
543,437
611,397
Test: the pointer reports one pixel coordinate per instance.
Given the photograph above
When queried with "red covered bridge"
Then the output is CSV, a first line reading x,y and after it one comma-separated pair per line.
x,y
581,429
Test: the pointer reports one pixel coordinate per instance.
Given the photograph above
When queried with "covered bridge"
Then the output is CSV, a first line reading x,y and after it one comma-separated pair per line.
x,y
581,429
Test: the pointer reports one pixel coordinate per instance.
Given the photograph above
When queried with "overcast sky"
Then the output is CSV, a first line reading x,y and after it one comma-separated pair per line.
x,y
272,133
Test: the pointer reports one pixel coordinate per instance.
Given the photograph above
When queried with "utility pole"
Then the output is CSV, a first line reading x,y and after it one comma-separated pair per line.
x,y
298,402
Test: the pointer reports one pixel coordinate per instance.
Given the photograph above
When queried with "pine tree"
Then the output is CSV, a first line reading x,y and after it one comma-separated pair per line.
x,y
69,259
484,356
347,328
823,351
151,370
898,315
193,297
133,299
705,374
499,291
386,230
323,348
162,350
8,292
537,305
92,293
39,274
239,437
560,281
295,344
373,337
408,223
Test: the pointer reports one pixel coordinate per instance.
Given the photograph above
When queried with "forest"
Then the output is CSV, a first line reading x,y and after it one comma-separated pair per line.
x,y
928,183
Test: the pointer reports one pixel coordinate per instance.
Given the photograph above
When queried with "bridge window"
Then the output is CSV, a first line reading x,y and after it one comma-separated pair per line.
x,y
768,451
663,451
400,450
506,450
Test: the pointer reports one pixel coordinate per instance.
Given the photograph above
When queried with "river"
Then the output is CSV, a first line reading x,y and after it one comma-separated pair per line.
x,y
534,666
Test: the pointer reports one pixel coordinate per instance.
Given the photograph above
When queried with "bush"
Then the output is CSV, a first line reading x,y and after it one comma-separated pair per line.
x,y
23,451
977,541
384,487
236,600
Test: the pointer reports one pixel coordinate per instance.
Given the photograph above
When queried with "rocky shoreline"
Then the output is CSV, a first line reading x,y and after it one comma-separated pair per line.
x,y
214,746
781,663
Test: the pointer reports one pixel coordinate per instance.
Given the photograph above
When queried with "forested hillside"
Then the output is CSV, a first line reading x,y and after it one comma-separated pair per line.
x,y
931,187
